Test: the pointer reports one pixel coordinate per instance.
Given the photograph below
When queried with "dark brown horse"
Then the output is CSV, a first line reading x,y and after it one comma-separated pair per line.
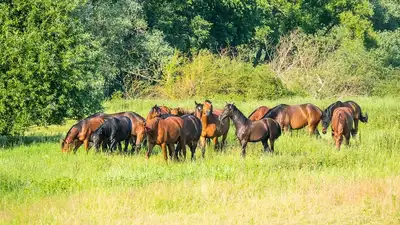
x,y
212,126
80,132
165,132
356,114
157,111
137,130
342,125
259,113
192,131
296,117
252,131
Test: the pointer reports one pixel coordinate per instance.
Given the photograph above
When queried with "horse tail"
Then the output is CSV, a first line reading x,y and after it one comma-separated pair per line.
x,y
363,119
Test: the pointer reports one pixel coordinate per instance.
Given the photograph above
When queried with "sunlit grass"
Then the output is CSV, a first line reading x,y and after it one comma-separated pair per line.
x,y
307,181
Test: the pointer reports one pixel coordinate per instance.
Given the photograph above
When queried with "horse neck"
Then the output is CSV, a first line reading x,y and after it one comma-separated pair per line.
x,y
239,119
204,120
72,134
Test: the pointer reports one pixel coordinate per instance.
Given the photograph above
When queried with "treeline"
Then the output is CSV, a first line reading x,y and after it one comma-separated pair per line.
x,y
60,59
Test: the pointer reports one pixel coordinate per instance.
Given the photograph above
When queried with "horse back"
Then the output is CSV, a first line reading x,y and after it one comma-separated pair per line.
x,y
354,107
259,113
342,120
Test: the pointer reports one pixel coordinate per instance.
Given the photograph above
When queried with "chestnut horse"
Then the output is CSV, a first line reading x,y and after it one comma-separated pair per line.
x,y
165,132
252,131
157,111
356,114
80,132
259,113
342,125
178,111
296,116
212,126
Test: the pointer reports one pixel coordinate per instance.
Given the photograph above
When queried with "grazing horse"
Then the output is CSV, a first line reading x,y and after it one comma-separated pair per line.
x,y
259,113
114,130
342,125
296,116
212,126
252,131
137,130
157,111
356,114
192,131
180,111
165,132
80,132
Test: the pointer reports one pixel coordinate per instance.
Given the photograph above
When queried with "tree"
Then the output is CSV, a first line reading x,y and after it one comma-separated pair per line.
x,y
48,68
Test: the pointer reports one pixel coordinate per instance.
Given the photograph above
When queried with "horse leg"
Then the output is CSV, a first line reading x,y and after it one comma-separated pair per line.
x,y
150,147
173,154
113,144
354,130
132,141
164,151
216,145
203,145
127,140
265,144
86,145
192,146
347,139
77,145
223,141
244,144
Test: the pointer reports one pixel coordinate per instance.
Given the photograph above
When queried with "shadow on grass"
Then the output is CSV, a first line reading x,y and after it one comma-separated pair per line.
x,y
16,141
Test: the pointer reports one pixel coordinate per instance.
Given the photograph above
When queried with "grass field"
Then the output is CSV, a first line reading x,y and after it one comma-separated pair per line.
x,y
307,181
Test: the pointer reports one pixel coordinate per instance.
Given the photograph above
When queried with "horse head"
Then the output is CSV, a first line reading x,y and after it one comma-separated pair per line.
x,y
198,109
228,111
207,107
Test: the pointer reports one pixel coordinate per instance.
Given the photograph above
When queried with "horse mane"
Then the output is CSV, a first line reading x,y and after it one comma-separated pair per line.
x,y
241,117
208,101
273,113
329,110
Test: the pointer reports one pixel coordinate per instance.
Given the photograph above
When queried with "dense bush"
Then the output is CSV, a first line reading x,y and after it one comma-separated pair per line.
x,y
47,65
210,75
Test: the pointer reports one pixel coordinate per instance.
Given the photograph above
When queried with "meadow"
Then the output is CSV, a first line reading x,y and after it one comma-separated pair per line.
x,y
306,181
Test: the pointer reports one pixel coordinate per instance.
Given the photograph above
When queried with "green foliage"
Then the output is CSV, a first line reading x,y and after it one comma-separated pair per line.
x,y
208,75
47,65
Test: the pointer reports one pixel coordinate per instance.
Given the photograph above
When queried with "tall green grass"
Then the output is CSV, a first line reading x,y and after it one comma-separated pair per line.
x,y
307,181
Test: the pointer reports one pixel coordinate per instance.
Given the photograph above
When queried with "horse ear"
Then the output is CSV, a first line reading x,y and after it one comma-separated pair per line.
x,y
196,103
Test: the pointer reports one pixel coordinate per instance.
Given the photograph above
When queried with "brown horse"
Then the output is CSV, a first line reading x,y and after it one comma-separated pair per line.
x,y
296,117
180,111
165,132
192,131
252,131
157,111
212,126
342,125
259,113
356,114
80,132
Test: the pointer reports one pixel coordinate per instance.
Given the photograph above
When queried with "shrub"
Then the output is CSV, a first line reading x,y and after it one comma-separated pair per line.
x,y
210,75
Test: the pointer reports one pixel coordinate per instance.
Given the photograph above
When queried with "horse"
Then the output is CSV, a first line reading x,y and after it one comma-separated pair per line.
x,y
356,114
165,132
252,131
157,111
296,116
114,130
342,125
192,131
259,113
80,132
212,126
178,111
137,130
